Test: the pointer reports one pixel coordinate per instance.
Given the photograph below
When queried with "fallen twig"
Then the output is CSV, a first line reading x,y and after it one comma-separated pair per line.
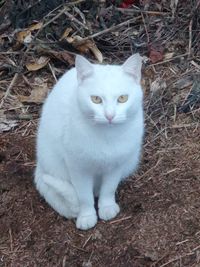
x,y
120,220
131,11
190,38
168,60
8,89
177,258
113,28
145,26
148,171
45,25
72,18
178,126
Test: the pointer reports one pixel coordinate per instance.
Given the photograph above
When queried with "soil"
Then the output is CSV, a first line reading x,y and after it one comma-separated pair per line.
x,y
159,223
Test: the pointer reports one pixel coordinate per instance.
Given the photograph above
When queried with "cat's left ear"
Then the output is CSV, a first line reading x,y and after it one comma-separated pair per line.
x,y
83,67
133,66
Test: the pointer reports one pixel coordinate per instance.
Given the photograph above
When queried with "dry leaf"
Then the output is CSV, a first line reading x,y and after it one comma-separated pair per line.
x,y
82,46
85,47
64,56
25,36
157,85
156,54
61,55
183,82
38,64
37,96
65,34
153,255
6,124
35,26
168,55
96,52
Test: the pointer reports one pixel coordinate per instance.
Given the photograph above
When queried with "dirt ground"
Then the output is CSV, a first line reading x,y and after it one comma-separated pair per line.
x,y
159,222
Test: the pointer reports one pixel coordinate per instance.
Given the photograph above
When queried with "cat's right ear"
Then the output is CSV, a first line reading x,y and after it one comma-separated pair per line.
x,y
133,66
83,67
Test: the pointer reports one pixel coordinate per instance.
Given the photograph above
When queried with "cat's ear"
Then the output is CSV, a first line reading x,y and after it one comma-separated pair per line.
x,y
133,66
83,67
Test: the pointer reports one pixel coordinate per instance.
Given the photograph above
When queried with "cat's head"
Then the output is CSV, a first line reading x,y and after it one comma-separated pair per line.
x,y
109,94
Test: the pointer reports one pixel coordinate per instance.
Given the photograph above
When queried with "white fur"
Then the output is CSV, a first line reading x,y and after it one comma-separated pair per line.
x,y
79,152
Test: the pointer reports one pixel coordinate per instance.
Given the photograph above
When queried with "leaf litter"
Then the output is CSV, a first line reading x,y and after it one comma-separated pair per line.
x,y
161,203
6,124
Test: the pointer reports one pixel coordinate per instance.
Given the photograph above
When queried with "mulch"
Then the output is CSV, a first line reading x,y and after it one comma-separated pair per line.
x,y
159,223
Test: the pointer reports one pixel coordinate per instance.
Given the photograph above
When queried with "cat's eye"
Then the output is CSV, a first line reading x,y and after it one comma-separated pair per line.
x,y
122,98
96,99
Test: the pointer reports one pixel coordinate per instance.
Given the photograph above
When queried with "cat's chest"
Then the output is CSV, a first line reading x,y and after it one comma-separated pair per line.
x,y
100,147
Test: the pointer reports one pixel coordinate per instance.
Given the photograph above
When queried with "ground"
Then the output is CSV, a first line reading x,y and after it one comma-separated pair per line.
x,y
159,222
159,219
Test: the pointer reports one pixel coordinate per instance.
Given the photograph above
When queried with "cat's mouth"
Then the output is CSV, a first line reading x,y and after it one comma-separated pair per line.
x,y
109,122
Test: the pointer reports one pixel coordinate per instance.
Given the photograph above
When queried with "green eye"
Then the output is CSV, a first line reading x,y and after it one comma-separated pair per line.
x,y
122,98
96,99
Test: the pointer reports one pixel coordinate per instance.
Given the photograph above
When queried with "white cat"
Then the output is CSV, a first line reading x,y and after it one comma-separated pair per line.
x,y
89,138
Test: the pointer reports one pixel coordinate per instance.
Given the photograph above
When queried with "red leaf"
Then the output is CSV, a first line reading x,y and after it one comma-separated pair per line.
x,y
156,54
127,3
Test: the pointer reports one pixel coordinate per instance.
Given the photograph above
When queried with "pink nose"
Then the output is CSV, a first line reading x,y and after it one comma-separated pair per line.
x,y
109,117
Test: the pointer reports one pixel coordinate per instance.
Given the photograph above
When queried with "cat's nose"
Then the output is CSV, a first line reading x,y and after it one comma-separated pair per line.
x,y
109,117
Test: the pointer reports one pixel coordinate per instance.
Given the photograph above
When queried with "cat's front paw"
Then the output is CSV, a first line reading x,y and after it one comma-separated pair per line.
x,y
108,212
85,222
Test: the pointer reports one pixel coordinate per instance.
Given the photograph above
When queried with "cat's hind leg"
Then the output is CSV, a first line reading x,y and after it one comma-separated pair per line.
x,y
60,195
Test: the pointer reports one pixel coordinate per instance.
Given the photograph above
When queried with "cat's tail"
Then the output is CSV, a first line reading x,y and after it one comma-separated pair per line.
x,y
60,194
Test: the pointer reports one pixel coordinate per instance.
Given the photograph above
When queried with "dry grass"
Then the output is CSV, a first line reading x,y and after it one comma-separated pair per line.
x,y
160,218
